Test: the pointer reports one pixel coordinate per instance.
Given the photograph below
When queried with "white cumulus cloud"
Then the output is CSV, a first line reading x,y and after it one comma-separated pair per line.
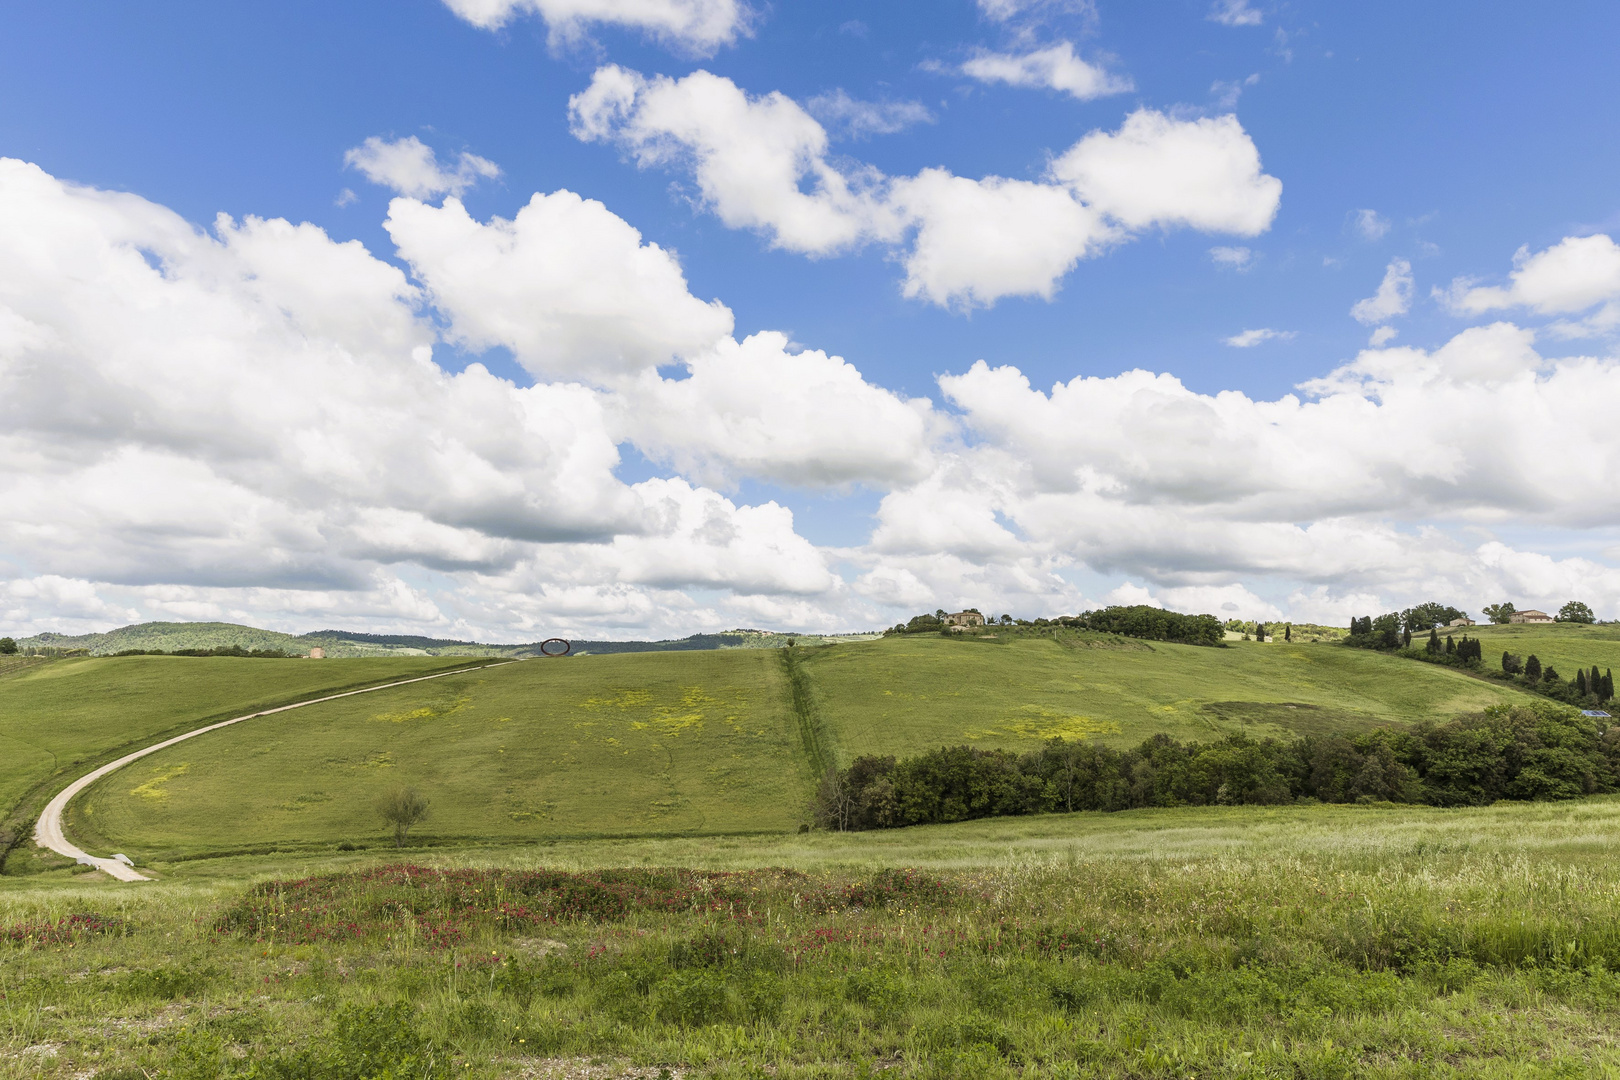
x,y
1370,224
1393,298
1235,13
858,119
1056,67
566,284
411,168
1247,339
696,26
763,163
1574,275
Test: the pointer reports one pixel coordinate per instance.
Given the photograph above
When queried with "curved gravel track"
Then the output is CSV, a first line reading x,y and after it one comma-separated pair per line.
x,y
48,829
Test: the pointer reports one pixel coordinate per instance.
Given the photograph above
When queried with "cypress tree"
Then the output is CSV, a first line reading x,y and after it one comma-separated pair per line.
x,y
1288,631
1607,690
1259,631
1434,642
1406,638
1580,681
1594,679
1532,669
1451,646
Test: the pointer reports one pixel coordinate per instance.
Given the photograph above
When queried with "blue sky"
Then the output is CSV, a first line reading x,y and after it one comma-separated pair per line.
x,y
1446,135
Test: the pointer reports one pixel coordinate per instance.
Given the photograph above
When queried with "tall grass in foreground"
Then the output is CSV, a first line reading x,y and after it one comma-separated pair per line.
x,y
1396,961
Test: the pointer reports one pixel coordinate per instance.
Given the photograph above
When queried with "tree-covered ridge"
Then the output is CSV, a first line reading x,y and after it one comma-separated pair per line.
x,y
1503,753
1140,621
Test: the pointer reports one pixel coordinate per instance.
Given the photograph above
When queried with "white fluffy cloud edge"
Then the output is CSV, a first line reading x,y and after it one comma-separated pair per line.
x,y
765,163
247,422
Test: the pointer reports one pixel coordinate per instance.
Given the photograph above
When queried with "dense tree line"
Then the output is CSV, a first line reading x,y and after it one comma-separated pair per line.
x,y
1137,621
1503,753
1154,624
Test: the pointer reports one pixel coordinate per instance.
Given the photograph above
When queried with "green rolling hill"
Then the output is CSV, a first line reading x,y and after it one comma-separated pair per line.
x,y
722,741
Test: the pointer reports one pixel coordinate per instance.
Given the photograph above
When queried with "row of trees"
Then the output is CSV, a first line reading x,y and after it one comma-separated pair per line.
x,y
1588,687
1503,753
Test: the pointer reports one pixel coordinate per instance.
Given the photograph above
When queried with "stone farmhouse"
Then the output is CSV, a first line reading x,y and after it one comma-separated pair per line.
x,y
1464,621
961,620
1530,616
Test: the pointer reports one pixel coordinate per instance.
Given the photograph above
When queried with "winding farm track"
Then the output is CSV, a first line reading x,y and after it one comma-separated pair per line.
x,y
48,829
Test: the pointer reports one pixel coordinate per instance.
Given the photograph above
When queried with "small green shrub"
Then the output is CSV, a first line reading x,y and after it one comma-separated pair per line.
x,y
165,983
691,998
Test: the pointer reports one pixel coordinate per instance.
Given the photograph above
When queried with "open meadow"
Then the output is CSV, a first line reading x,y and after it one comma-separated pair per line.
x,y
1312,941
637,744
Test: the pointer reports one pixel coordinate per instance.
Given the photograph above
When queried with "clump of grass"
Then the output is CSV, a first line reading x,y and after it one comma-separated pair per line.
x,y
66,929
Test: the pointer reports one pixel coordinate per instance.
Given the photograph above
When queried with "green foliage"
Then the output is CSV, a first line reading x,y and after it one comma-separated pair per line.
x,y
402,809
1501,613
1430,615
1503,753
1155,624
1576,612
8,646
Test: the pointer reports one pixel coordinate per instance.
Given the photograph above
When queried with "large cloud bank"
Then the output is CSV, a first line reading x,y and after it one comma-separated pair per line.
x,y
248,421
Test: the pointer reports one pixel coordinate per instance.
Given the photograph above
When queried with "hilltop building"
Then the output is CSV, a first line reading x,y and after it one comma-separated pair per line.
x,y
317,653
1464,621
1530,615
961,620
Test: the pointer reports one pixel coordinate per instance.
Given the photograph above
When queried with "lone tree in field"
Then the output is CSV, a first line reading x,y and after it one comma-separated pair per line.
x,y
8,647
402,809
1499,613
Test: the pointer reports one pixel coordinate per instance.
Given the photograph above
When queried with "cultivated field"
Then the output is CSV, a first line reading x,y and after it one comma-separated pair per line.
x,y
924,691
1317,941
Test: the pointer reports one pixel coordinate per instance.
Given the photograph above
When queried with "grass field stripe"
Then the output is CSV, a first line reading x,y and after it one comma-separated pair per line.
x,y
48,831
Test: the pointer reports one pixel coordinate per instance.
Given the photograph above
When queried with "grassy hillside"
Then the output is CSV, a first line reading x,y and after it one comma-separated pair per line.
x,y
57,713
649,744
916,692
1307,942
711,742
1566,646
